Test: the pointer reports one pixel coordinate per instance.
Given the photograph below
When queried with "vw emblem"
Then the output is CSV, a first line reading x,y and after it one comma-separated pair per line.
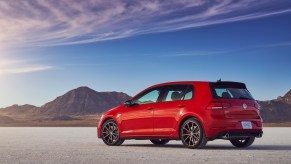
x,y
245,106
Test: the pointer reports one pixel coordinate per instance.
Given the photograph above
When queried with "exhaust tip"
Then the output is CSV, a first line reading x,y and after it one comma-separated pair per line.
x,y
226,136
260,135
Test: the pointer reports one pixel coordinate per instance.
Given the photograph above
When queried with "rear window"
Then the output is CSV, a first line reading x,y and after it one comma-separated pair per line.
x,y
230,90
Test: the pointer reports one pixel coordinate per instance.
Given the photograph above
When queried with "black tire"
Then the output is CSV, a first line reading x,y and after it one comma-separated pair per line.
x,y
110,133
242,142
192,134
159,141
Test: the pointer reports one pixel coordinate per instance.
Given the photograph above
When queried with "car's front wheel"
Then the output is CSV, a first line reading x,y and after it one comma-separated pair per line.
x,y
192,134
159,141
110,133
242,142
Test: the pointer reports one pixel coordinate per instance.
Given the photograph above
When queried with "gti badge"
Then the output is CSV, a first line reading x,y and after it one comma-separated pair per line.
x,y
245,106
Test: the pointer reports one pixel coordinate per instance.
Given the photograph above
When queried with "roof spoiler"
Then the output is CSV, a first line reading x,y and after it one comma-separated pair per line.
x,y
228,84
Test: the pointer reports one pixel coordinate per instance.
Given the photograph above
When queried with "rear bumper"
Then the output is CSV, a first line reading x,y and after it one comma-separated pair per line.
x,y
236,134
221,128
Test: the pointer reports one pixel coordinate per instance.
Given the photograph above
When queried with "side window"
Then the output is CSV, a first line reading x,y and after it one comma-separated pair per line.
x,y
148,97
178,92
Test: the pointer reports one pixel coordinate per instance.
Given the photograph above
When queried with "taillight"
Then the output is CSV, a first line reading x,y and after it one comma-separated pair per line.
x,y
218,105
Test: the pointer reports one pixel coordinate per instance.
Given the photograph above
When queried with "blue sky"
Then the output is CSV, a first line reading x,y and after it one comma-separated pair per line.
x,y
50,47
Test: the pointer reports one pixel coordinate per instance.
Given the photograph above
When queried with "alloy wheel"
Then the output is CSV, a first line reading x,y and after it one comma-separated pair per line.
x,y
110,133
191,133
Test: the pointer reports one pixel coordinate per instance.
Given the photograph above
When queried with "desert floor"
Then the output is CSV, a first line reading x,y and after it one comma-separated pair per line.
x,y
80,145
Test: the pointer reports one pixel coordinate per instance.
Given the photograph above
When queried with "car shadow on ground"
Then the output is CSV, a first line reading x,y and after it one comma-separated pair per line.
x,y
219,147
254,147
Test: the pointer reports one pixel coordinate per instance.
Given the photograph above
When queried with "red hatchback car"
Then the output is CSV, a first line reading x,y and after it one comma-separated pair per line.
x,y
192,111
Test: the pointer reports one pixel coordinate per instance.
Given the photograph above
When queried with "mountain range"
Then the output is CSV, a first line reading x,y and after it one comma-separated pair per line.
x,y
277,110
78,107
84,103
80,101
83,100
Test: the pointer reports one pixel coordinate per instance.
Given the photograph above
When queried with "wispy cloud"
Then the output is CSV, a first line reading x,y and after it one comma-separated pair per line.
x,y
10,66
218,52
62,22
25,69
281,44
195,53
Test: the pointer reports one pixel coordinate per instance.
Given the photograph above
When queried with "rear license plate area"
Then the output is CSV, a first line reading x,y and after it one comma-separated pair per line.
x,y
246,124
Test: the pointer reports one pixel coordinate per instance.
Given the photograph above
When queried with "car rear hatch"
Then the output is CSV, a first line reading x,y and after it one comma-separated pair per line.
x,y
235,99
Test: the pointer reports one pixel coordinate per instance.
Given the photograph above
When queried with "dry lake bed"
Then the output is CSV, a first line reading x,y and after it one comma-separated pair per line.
x,y
80,145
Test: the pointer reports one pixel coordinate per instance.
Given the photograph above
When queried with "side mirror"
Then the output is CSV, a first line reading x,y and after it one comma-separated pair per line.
x,y
128,103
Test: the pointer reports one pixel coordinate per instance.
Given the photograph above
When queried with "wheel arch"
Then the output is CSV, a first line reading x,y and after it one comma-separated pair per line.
x,y
107,118
103,121
186,117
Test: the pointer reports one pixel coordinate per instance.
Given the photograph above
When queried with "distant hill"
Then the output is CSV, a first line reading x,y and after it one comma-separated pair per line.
x,y
277,110
6,120
18,109
83,100
286,98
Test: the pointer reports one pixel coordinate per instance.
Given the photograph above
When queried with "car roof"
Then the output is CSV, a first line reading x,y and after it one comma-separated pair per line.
x,y
179,82
182,82
191,82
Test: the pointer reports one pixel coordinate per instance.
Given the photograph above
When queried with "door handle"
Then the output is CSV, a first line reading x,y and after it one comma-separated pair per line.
x,y
181,106
151,108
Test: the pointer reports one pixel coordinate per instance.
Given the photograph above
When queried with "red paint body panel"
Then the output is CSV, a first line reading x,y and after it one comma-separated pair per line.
x,y
163,119
137,120
166,117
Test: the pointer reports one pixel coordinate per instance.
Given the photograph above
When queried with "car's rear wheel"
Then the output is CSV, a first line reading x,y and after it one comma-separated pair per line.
x,y
159,141
242,142
192,134
110,133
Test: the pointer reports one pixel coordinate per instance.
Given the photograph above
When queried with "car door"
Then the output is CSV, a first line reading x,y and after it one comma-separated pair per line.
x,y
167,112
137,120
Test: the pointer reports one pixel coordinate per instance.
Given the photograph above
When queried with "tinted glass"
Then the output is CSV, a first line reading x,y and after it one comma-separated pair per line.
x,y
178,92
188,95
230,91
148,97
